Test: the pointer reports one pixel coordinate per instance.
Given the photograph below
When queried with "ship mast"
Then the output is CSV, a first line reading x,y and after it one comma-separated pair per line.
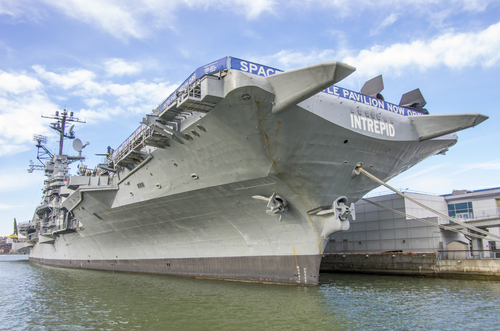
x,y
60,126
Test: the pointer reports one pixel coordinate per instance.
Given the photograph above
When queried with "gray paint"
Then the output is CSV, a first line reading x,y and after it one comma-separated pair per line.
x,y
276,269
157,212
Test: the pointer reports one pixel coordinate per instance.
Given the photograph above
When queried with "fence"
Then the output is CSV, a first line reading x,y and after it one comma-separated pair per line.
x,y
489,254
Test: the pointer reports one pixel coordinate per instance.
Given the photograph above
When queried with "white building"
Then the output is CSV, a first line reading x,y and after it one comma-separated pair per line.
x,y
377,229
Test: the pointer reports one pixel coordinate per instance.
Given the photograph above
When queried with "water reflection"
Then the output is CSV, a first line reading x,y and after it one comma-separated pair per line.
x,y
410,303
41,298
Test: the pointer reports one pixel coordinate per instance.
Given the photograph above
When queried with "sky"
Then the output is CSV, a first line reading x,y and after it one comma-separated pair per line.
x,y
113,61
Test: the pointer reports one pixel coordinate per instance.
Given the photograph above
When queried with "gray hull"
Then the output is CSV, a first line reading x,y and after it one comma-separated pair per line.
x,y
275,269
188,208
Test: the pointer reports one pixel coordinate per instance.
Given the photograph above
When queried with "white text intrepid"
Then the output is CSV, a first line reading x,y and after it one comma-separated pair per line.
x,y
375,126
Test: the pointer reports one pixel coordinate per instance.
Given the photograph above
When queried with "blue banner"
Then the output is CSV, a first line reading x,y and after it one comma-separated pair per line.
x,y
369,101
264,71
261,70
252,68
210,68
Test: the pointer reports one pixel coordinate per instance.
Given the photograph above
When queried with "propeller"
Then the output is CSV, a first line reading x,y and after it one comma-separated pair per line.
x,y
275,204
336,216
340,208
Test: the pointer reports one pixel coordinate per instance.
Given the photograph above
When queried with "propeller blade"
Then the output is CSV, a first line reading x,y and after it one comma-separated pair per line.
x,y
282,215
325,212
271,203
260,197
373,87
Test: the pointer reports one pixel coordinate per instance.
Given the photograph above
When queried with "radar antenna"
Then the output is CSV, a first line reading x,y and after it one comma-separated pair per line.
x,y
43,153
78,146
33,167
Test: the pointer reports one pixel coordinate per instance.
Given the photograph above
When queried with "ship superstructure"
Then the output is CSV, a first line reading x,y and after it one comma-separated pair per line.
x,y
243,172
50,218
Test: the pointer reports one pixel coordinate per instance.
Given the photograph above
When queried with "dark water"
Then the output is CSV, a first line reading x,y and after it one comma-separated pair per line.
x,y
36,297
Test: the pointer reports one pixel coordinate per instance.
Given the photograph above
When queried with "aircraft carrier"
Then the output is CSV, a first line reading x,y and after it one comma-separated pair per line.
x,y
242,173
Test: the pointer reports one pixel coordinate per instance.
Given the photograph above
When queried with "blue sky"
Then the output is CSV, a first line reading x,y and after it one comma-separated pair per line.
x,y
113,61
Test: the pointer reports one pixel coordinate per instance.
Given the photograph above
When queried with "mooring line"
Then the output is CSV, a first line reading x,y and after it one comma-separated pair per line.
x,y
359,170
444,227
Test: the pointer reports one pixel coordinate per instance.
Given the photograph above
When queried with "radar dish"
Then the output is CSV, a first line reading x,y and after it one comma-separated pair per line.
x,y
77,145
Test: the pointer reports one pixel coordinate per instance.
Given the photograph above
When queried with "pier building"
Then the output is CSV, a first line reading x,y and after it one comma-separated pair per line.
x,y
379,229
394,235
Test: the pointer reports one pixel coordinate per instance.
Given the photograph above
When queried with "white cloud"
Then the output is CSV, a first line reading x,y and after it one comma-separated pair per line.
x,y
67,80
118,67
119,18
474,5
289,59
25,96
130,19
389,20
8,207
99,114
126,19
17,84
251,9
93,102
351,7
20,119
453,50
482,166
139,92
18,179
21,9
22,101
423,172
85,84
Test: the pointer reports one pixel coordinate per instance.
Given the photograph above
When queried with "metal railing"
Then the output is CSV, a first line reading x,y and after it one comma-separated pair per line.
x,y
124,146
192,89
490,254
481,214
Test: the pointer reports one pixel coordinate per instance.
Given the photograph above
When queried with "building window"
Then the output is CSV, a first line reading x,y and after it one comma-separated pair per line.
x,y
460,210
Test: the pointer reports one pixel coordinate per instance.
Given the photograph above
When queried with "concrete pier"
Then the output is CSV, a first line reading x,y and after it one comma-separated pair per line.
x,y
407,263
